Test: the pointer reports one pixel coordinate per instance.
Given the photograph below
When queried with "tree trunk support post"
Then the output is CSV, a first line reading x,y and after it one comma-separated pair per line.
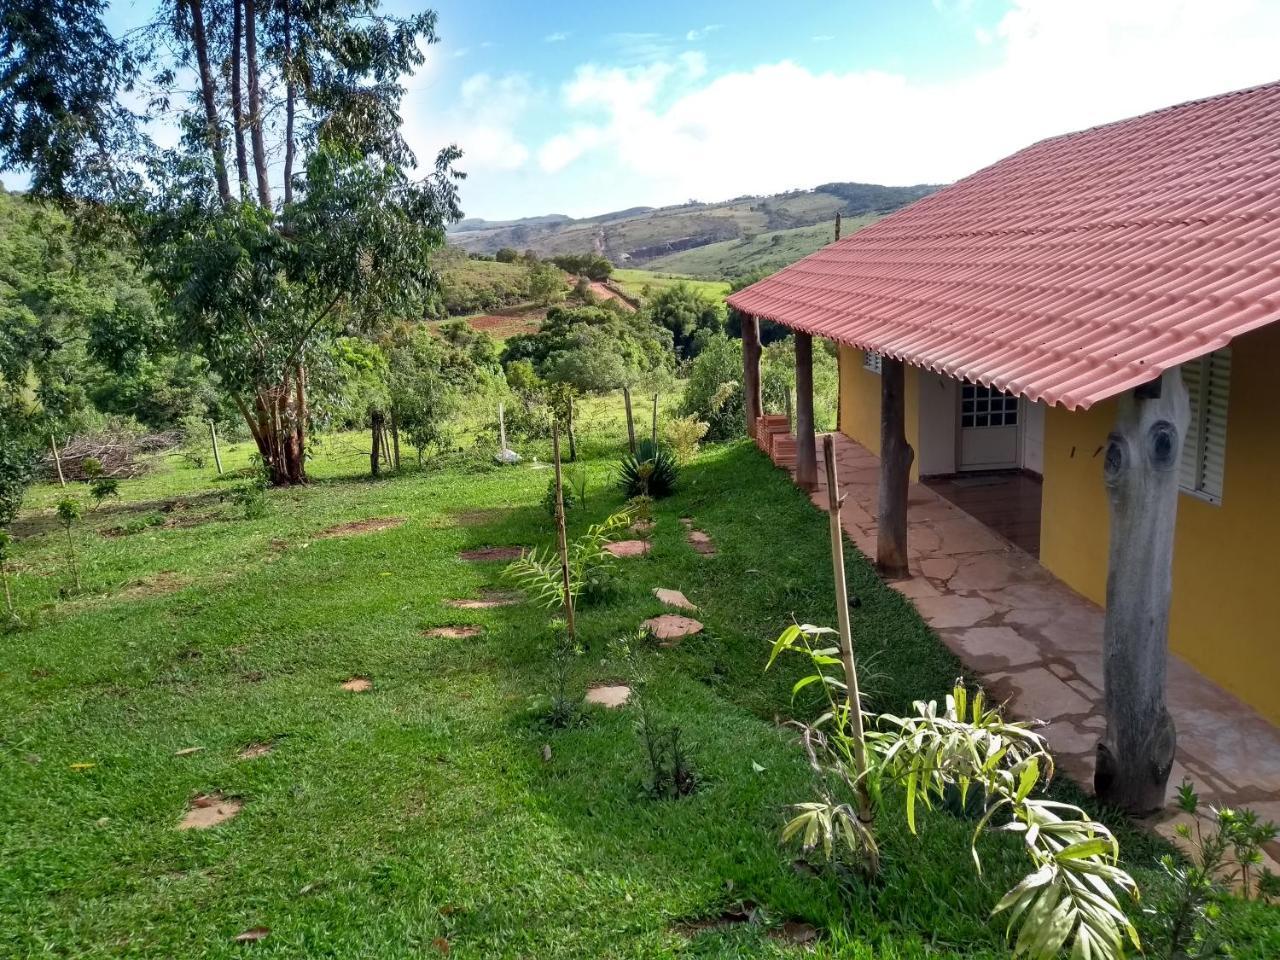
x,y
1135,755
213,436
806,446
751,371
896,456
653,433
562,542
375,452
631,424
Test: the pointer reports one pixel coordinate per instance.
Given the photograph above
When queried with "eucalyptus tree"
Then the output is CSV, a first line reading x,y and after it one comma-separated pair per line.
x,y
287,211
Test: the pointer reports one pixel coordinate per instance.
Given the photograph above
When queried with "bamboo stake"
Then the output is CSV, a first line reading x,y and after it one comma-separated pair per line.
x,y
217,457
834,502
561,540
57,460
655,425
573,442
631,425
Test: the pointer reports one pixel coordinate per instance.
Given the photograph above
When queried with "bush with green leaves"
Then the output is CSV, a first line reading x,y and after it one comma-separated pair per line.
x,y
1224,853
649,472
683,435
1071,898
538,572
70,511
693,317
549,498
713,391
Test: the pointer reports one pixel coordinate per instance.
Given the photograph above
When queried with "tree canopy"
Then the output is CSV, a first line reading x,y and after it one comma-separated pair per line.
x,y
258,283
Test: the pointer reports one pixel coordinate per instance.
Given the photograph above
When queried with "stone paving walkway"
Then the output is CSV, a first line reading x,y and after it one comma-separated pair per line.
x,y
1037,644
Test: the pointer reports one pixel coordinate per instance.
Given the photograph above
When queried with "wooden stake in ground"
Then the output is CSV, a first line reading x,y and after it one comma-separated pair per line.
x,y
896,456
573,441
561,540
217,457
631,424
753,404
375,454
395,439
837,226
1135,755
654,436
57,460
834,501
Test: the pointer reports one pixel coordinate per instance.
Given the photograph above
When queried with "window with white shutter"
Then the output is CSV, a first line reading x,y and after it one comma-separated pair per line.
x,y
872,361
1204,450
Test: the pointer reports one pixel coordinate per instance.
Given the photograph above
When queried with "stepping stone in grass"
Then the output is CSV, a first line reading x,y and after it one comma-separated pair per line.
x,y
454,633
210,809
611,696
486,554
670,628
255,750
358,685
487,600
674,598
628,548
701,542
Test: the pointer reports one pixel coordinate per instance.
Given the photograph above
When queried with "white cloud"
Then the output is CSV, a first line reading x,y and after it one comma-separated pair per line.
x,y
822,37
780,126
695,35
482,122
557,37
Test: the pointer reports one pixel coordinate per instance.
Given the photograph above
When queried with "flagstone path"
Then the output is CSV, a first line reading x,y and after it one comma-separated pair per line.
x,y
1037,644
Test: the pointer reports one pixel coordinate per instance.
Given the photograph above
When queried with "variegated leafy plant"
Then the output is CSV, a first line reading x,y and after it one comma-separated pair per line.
x,y
1071,900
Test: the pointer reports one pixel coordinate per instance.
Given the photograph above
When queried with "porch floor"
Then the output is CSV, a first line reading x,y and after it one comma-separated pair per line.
x,y
1037,645
1006,501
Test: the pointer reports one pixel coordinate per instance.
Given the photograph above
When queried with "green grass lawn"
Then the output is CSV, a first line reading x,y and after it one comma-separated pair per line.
x,y
634,282
422,815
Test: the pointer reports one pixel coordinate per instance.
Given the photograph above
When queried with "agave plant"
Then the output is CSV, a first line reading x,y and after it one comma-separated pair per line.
x,y
1071,896
650,472
538,572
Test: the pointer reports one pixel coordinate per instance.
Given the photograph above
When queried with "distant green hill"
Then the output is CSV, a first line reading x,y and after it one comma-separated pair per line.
x,y
766,252
642,237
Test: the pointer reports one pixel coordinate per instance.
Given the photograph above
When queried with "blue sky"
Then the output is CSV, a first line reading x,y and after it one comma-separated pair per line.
x,y
580,108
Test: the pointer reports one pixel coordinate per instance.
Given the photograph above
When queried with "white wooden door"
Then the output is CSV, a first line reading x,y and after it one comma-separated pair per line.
x,y
989,428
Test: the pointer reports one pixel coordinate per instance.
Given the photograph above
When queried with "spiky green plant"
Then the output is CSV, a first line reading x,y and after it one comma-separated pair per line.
x,y
650,472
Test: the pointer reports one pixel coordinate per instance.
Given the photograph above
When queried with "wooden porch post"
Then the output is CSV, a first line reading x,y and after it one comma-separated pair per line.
x,y
806,451
895,472
1144,450
751,371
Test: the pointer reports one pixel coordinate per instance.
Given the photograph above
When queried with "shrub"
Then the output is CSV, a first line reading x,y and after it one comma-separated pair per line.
x,y
693,318
648,472
683,435
713,393
566,497
538,571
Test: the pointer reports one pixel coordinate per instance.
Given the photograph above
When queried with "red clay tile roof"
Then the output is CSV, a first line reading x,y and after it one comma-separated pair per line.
x,y
1073,270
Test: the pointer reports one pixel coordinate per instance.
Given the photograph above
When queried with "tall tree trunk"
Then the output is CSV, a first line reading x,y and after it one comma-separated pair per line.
x,y
209,95
375,455
237,94
395,439
290,108
806,442
631,424
255,102
1135,755
751,372
895,472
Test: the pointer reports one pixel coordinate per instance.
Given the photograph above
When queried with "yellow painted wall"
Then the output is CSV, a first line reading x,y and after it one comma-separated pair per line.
x,y
860,404
1226,570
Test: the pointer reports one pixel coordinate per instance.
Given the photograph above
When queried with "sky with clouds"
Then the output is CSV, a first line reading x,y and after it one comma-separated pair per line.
x,y
582,108
577,108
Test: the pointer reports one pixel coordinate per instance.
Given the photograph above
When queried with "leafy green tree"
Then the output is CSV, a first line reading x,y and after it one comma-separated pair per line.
x,y
507,255
692,317
592,348
590,265
257,285
713,392
546,284
70,511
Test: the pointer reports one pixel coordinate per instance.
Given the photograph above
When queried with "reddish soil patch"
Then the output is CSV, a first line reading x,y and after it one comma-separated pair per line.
x,y
454,633
486,554
210,809
358,685
476,517
357,527
701,542
487,600
500,327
